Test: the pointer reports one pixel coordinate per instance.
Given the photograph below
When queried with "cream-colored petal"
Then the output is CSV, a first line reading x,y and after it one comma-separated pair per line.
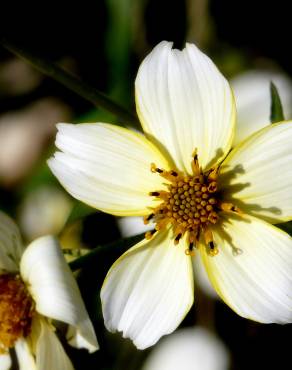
x,y
107,167
253,269
54,288
5,361
26,360
50,353
11,247
184,103
257,174
148,290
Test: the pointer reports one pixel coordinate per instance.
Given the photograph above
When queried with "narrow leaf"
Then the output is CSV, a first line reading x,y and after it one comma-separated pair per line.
x,y
276,114
112,250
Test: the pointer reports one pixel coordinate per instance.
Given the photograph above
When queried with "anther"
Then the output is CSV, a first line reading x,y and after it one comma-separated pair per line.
x,y
195,163
146,219
190,251
212,249
149,234
153,167
154,193
229,207
177,238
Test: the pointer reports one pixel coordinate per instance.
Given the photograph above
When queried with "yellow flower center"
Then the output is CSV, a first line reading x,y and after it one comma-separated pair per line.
x,y
191,204
16,311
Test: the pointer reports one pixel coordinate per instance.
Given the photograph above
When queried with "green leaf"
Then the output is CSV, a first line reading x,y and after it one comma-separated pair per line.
x,y
276,114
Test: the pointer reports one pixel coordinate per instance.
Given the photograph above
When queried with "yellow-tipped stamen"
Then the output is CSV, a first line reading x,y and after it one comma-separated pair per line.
x,y
211,248
195,163
149,234
230,207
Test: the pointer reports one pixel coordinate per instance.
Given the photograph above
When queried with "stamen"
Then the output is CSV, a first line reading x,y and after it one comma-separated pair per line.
x,y
190,251
230,207
146,219
213,174
212,249
177,238
149,234
195,163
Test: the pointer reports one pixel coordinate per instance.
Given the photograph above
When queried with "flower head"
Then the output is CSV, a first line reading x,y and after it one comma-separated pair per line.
x,y
37,287
206,199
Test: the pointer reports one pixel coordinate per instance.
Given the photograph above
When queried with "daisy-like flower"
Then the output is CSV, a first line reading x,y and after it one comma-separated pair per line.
x,y
37,287
206,200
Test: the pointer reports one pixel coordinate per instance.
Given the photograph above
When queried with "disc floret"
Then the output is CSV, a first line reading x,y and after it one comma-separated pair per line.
x,y
16,311
190,203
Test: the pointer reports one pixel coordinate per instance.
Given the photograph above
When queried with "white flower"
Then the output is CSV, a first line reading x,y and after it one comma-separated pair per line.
x,y
189,349
203,200
36,287
44,211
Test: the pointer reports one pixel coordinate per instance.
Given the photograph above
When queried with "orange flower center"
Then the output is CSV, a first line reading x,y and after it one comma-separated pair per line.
x,y
16,311
191,204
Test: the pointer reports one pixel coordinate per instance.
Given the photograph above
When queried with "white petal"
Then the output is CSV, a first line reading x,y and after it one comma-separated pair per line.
x,y
50,353
253,100
24,355
253,269
130,226
184,103
5,361
257,174
193,348
54,288
11,246
148,290
107,167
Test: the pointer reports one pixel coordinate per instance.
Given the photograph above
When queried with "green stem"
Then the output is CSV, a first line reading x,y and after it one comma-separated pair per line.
x,y
71,82
117,247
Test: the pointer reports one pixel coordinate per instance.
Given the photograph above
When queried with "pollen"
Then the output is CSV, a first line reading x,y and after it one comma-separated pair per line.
x,y
191,204
16,311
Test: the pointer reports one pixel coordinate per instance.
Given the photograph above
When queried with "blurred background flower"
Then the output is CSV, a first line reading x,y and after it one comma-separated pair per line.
x,y
252,94
44,211
192,348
